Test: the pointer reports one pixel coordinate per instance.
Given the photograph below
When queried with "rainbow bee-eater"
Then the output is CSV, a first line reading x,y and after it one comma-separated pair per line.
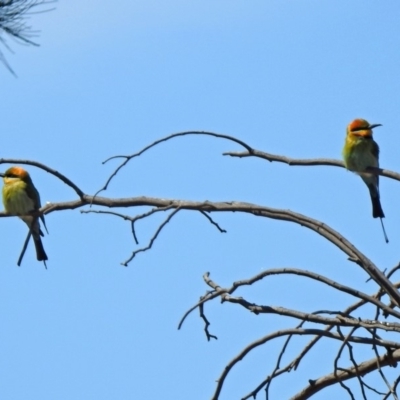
x,y
360,151
21,198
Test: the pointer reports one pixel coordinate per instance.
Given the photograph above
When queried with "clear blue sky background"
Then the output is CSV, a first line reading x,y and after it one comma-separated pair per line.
x,y
285,77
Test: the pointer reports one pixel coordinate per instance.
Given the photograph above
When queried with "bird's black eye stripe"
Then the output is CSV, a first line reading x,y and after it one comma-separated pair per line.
x,y
360,129
10,175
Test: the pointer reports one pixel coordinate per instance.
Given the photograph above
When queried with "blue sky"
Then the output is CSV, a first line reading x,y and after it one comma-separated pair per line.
x,y
284,76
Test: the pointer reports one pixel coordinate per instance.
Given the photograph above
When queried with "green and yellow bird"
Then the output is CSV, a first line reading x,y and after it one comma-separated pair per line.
x,y
21,198
360,151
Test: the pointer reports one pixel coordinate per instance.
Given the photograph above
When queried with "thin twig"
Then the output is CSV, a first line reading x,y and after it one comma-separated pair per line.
x,y
268,381
336,368
164,139
393,388
373,333
213,222
128,217
150,245
206,323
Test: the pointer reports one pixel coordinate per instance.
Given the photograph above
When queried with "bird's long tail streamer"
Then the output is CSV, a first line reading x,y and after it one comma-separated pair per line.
x,y
384,232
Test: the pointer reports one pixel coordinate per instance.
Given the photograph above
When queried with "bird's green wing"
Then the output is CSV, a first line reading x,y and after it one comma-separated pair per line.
x,y
375,149
32,193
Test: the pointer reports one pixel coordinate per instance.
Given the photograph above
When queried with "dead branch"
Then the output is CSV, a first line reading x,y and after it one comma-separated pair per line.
x,y
250,152
127,158
296,361
339,319
213,222
224,293
393,389
312,317
322,229
150,245
128,217
336,368
363,368
206,323
379,367
306,162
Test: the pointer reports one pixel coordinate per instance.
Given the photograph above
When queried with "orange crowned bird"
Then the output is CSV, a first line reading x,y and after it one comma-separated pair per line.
x,y
21,198
360,151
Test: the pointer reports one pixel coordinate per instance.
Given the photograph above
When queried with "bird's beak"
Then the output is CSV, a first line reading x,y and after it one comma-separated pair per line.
x,y
2,174
374,126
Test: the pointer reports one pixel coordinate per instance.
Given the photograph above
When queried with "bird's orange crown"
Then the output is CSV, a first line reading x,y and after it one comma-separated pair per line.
x,y
358,124
361,127
16,172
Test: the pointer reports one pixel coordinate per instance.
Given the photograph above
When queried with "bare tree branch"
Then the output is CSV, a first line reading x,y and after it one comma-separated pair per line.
x,y
128,217
393,390
336,368
250,152
127,158
206,323
379,367
326,380
150,245
213,222
322,229
363,368
329,318
306,162
295,363
311,317
224,293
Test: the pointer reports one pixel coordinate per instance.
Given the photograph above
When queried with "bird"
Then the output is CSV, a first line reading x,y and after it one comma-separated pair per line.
x,y
360,152
20,197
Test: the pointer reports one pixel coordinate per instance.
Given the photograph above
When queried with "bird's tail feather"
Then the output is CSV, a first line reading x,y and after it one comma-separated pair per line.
x,y
40,253
377,211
